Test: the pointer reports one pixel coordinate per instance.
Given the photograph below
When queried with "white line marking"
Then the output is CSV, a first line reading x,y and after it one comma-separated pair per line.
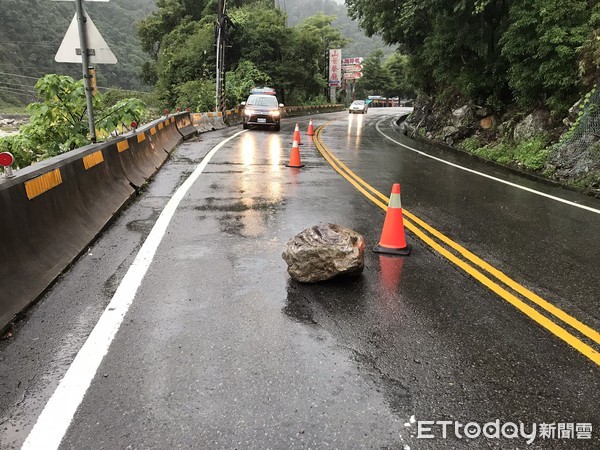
x,y
52,425
533,191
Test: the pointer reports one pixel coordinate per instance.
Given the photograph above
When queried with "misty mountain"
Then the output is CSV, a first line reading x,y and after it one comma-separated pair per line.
x,y
361,45
32,31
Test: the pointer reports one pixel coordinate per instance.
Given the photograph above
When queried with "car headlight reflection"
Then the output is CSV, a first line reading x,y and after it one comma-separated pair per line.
x,y
248,112
275,113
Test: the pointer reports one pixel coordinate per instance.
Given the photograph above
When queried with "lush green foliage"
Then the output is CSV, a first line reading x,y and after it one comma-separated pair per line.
x,y
551,31
59,123
491,52
242,80
179,37
198,95
31,32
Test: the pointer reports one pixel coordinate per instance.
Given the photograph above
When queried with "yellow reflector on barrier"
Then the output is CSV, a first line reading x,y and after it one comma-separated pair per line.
x,y
228,113
219,114
43,183
153,131
93,159
160,126
123,145
141,137
209,114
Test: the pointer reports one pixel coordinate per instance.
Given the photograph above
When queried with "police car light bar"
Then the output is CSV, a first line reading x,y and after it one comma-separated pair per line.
x,y
263,90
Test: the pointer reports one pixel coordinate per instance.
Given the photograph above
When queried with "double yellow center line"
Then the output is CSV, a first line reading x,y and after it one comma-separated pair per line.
x,y
483,272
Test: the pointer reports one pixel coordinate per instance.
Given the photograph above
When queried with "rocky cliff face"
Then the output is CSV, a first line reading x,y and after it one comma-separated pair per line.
x,y
567,151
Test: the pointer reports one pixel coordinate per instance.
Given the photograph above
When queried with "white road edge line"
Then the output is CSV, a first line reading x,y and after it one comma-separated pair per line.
x,y
56,417
518,186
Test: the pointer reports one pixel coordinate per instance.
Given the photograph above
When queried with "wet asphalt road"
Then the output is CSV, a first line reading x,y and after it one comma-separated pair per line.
x,y
221,350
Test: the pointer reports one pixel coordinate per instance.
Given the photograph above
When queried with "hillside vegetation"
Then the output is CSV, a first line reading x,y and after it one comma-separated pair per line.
x,y
502,78
31,33
263,49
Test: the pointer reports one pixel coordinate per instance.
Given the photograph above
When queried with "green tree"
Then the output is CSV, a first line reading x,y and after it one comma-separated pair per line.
x,y
59,123
402,84
241,80
180,41
187,54
198,95
589,57
377,78
540,46
328,36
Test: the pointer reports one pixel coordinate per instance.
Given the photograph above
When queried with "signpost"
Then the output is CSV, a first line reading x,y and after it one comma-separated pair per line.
x,y
335,71
352,75
352,60
84,44
352,68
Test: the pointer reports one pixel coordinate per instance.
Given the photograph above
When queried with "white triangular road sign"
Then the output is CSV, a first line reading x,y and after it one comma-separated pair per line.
x,y
98,50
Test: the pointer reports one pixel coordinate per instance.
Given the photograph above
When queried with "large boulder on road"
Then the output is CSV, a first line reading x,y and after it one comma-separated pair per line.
x,y
324,251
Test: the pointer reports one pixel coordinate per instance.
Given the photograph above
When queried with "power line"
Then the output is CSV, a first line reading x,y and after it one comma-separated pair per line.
x,y
15,91
126,90
24,86
37,78
17,75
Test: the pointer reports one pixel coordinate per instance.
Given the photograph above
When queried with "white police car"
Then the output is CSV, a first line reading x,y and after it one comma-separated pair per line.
x,y
262,109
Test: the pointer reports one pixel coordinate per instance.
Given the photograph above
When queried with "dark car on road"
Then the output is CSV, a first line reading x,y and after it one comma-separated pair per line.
x,y
262,109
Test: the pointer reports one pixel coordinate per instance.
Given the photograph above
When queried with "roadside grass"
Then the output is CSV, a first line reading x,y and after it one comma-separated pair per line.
x,y
530,154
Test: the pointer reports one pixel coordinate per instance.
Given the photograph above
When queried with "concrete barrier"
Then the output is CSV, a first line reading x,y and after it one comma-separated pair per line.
x,y
168,135
184,125
208,121
52,210
294,111
140,156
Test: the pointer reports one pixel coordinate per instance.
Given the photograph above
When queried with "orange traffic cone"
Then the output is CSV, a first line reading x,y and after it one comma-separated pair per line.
x,y
295,156
393,240
311,130
297,135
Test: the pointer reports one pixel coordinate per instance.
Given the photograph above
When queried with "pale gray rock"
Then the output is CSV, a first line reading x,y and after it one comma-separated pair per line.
x,y
538,122
324,251
463,116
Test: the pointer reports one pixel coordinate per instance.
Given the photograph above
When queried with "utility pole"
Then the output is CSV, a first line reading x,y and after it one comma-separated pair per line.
x,y
85,65
221,34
